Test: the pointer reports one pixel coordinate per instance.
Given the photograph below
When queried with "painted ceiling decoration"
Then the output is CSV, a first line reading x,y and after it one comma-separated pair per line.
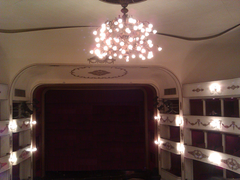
x,y
96,73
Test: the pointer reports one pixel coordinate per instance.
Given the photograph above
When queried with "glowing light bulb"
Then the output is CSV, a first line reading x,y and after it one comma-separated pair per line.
x,y
159,48
142,37
130,39
138,48
120,56
141,42
135,28
97,52
97,39
110,30
122,43
150,26
105,48
114,48
120,20
98,45
120,26
115,54
91,52
115,23
110,57
149,41
123,51
150,45
142,30
146,34
143,58
130,47
95,32
154,31
117,29
133,56
143,50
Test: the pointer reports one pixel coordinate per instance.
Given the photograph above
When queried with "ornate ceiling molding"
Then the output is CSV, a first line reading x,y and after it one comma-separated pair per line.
x,y
87,72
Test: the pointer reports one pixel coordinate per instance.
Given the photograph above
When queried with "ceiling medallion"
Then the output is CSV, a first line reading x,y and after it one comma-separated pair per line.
x,y
124,38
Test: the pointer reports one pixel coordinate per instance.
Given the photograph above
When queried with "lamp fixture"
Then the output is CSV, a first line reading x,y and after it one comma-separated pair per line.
x,y
124,38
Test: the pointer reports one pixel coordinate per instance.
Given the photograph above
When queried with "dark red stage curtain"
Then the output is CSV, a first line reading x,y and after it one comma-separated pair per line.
x,y
87,130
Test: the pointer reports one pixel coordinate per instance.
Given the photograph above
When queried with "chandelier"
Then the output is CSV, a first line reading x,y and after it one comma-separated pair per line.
x,y
124,38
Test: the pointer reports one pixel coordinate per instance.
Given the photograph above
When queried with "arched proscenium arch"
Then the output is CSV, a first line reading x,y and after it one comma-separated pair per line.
x,y
36,75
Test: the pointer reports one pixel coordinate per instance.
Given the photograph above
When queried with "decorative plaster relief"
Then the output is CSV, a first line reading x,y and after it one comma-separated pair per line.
x,y
2,165
233,87
94,73
231,163
168,146
166,120
198,154
197,90
2,130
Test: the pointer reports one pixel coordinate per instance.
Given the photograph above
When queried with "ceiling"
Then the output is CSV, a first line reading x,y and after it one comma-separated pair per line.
x,y
200,39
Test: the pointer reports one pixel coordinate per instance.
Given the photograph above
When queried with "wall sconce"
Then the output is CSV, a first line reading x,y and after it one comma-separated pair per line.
x,y
215,124
30,122
12,125
157,118
31,149
215,158
158,142
13,159
215,88
179,121
180,147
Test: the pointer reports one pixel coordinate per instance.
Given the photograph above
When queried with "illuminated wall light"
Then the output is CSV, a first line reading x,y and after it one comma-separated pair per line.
x,y
215,124
33,122
215,88
12,125
179,121
180,147
157,118
13,158
215,158
158,142
31,149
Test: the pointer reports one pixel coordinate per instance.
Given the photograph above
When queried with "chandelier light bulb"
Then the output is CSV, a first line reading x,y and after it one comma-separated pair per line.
x,y
120,26
150,26
130,47
97,39
123,51
143,50
125,35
